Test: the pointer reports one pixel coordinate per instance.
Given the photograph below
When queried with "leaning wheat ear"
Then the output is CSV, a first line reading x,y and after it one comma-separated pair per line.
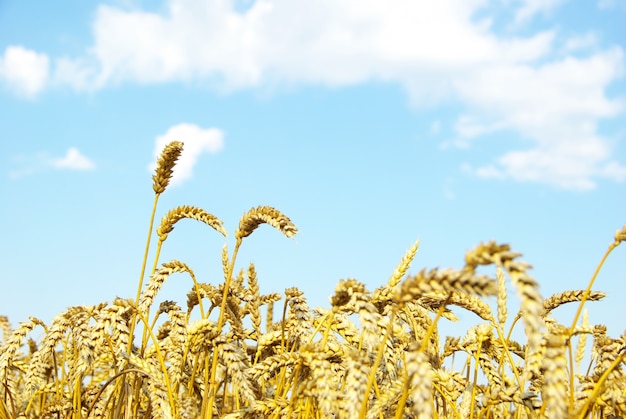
x,y
177,214
188,211
263,214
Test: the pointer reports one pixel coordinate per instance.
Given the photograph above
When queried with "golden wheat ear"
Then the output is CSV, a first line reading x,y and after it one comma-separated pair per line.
x,y
165,166
404,265
188,211
260,215
565,297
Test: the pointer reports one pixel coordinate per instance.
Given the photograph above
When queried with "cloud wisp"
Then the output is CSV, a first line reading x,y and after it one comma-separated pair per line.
x,y
197,141
73,160
528,80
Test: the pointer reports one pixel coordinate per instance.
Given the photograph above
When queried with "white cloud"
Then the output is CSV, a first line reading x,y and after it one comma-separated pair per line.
x,y
469,127
24,71
571,168
525,81
43,161
556,106
73,160
196,142
333,42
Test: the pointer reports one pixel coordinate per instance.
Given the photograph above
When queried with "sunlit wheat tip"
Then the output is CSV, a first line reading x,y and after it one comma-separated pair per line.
x,y
165,166
404,265
263,214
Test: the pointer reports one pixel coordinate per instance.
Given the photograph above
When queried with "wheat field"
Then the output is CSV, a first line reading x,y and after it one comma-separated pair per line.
x,y
229,351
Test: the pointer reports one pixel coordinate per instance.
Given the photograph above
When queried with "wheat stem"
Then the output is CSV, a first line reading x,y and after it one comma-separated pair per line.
x,y
220,324
379,356
582,413
588,290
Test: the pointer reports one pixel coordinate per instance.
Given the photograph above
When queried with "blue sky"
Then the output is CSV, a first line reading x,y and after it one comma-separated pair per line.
x,y
370,124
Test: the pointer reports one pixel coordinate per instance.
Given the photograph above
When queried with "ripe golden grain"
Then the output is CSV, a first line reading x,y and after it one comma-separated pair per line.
x,y
370,355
